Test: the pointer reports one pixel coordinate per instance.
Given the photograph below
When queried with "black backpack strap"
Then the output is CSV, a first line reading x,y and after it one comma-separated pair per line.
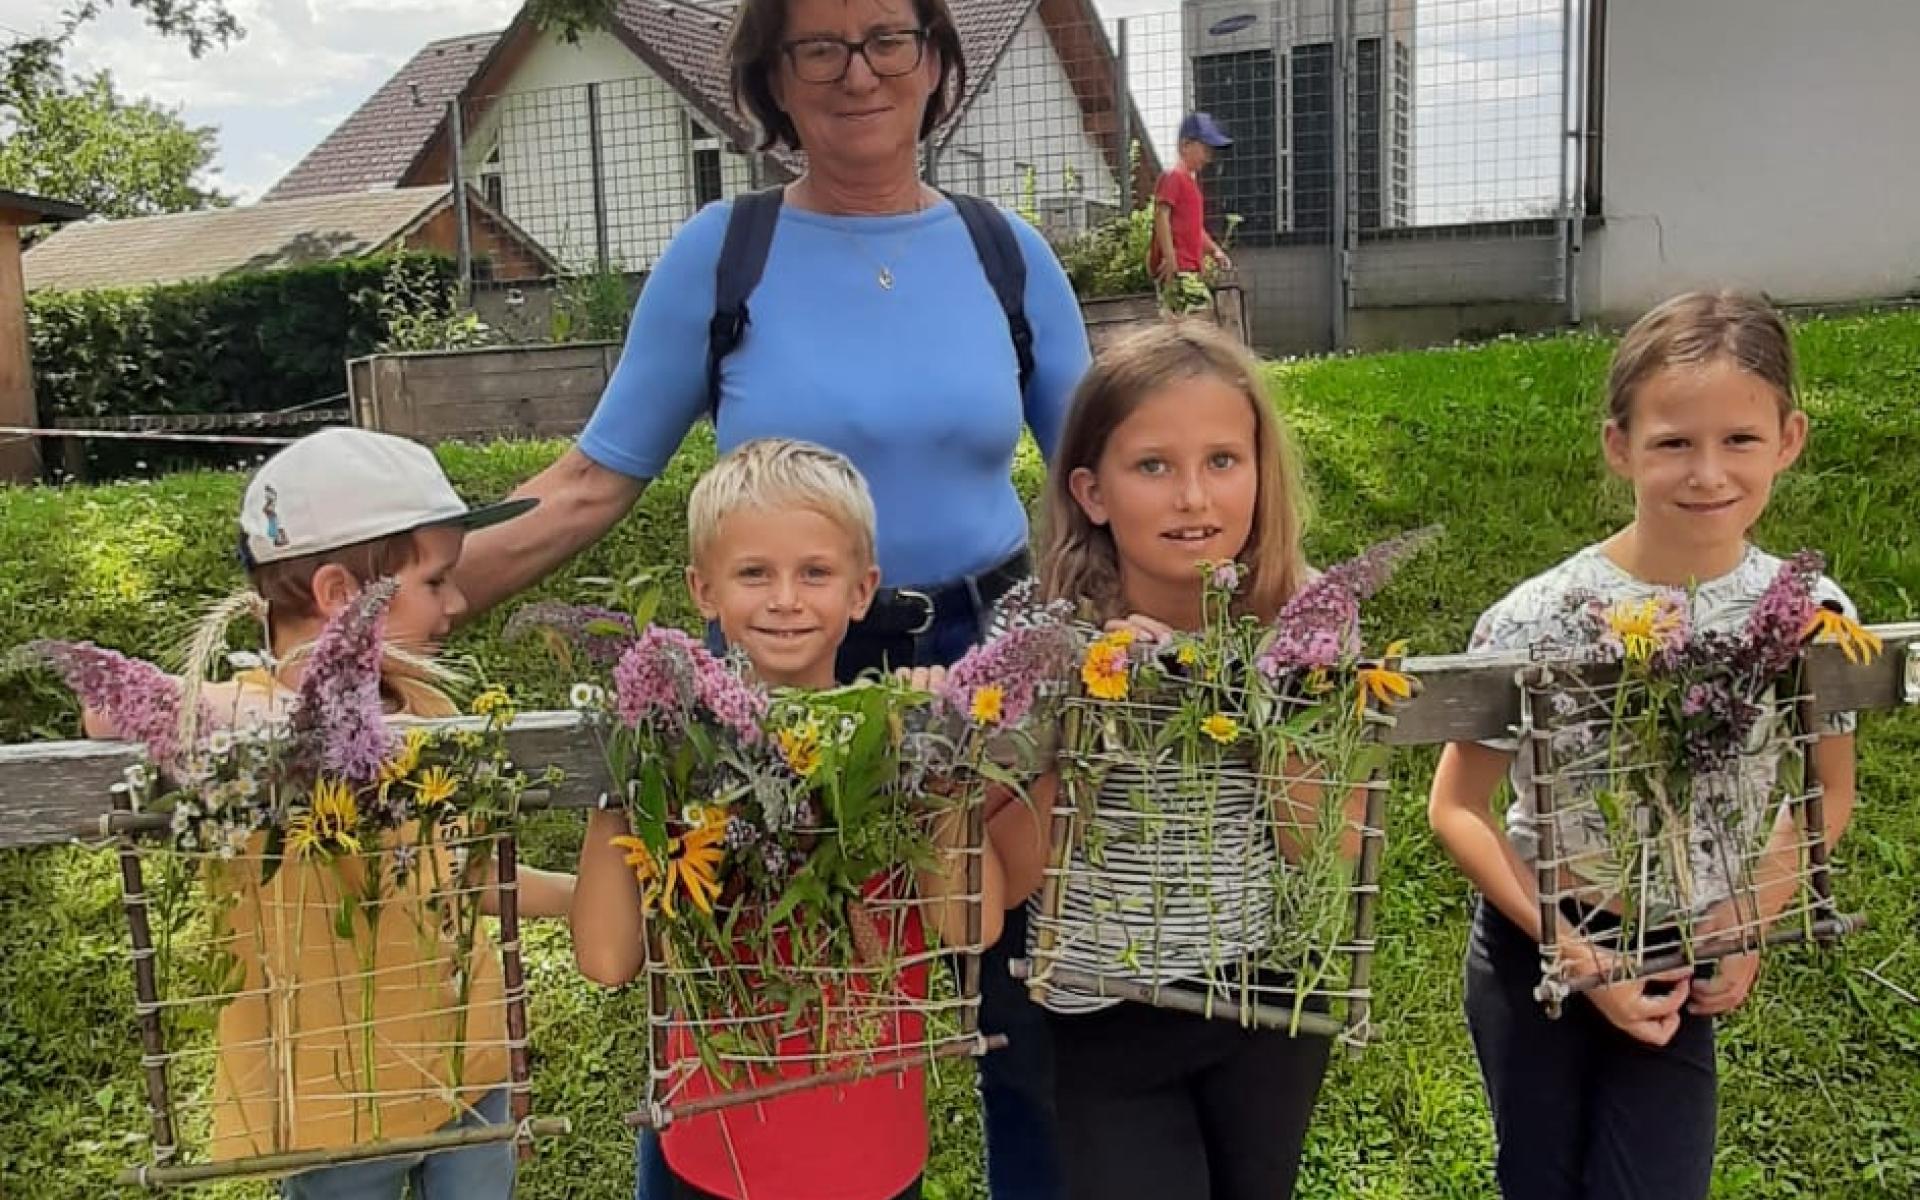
x,y
743,256
1006,268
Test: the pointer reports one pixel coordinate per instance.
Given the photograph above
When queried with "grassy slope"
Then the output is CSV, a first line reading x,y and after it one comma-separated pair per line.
x,y
1822,1070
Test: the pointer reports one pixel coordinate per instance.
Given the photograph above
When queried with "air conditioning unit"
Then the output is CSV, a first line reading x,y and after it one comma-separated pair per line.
x,y
1228,26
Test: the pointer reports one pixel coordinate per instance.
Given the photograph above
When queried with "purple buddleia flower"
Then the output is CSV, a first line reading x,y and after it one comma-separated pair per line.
x,y
1032,653
1777,626
598,634
338,725
1320,625
141,701
665,674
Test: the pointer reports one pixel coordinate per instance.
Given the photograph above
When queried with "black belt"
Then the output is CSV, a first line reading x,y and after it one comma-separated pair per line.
x,y
910,611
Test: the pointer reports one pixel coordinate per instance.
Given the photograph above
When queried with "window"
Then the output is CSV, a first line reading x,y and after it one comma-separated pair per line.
x,y
705,164
493,181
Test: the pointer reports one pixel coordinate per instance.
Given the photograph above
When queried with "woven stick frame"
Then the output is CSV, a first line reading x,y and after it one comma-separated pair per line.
x,y
1819,920
660,1111
1043,970
128,827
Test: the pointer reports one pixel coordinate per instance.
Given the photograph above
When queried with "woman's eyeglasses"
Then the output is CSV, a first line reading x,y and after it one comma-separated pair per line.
x,y
826,59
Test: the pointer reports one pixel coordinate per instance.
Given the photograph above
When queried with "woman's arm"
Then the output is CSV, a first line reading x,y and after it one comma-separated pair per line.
x,y
1020,829
944,886
607,919
580,500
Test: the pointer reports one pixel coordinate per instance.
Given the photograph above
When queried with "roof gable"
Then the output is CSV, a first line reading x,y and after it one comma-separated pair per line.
x,y
374,147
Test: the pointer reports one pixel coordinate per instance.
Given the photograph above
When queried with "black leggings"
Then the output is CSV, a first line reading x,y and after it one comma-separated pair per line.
x,y
1163,1105
1582,1111
682,1190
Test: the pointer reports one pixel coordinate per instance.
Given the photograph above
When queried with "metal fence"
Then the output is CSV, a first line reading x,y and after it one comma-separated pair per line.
x,y
1387,154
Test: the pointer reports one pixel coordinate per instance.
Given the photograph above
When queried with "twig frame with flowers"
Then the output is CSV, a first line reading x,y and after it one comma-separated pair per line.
x,y
310,822
775,837
1670,766
1221,808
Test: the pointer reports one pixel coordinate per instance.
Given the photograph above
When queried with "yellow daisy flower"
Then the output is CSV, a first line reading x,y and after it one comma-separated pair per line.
x,y
328,824
989,704
692,864
1641,626
436,786
800,746
1104,670
1856,641
405,760
1221,728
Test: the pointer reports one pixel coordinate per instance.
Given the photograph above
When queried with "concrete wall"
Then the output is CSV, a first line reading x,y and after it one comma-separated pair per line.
x,y
1761,144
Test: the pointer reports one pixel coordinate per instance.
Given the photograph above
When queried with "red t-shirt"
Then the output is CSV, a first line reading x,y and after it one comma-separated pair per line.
x,y
1187,211
865,1140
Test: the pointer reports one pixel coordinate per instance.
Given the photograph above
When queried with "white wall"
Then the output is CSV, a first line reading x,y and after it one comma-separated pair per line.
x,y
541,125
1028,114
1770,144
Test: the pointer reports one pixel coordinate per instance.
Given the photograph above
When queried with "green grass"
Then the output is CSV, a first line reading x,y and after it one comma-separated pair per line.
x,y
1821,1069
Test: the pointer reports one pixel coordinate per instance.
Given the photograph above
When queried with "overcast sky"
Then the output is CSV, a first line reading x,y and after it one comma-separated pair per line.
x,y
1487,82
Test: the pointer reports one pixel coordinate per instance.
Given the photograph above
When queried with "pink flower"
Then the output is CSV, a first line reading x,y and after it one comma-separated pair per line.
x,y
338,724
1320,626
1778,623
665,674
1226,577
140,700
1034,651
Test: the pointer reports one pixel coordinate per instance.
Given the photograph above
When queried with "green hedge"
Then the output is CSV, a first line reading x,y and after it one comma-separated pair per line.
x,y
240,343
1821,1069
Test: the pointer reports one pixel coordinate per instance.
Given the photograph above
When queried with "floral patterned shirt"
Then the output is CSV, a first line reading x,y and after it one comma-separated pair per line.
x,y
1536,617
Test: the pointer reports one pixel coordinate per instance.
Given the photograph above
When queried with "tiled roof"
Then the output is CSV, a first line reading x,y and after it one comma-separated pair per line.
x,y
375,146
200,245
682,41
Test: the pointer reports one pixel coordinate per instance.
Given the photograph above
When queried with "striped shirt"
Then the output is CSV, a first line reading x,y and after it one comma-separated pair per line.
x,y
1171,879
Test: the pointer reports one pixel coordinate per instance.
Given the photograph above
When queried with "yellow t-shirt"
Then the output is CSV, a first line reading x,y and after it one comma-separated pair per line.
x,y
335,1042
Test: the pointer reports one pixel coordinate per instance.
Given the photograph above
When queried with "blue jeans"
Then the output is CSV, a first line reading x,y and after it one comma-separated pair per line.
x,y
473,1173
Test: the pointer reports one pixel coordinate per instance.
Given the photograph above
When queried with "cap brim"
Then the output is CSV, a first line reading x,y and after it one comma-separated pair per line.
x,y
1218,141
493,514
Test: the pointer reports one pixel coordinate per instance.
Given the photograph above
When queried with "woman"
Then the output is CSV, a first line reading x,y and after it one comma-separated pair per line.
x,y
874,331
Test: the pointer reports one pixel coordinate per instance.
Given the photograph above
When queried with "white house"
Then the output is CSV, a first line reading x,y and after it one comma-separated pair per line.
x,y
599,149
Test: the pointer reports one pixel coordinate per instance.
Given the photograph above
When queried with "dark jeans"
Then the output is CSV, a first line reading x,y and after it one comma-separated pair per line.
x,y
1582,1111
1016,1083
1163,1105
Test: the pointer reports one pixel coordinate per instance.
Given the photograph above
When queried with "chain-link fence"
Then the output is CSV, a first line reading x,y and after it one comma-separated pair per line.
x,y
1388,155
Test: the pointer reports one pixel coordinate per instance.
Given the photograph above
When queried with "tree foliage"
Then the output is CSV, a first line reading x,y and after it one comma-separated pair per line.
x,y
80,140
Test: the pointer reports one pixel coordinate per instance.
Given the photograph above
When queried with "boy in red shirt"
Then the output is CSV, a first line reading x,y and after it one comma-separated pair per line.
x,y
1181,243
781,535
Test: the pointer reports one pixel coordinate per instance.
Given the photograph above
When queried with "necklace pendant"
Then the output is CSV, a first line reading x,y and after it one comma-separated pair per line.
x,y
886,279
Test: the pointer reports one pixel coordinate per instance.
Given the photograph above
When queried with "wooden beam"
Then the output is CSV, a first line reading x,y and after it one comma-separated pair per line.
x,y
56,792
19,457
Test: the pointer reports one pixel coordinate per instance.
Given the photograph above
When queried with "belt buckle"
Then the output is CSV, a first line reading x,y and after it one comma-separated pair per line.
x,y
926,622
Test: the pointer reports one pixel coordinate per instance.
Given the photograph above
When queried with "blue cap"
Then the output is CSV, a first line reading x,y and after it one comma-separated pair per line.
x,y
1200,127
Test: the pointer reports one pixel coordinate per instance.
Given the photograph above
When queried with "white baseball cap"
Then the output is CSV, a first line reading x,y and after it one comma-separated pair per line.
x,y
341,487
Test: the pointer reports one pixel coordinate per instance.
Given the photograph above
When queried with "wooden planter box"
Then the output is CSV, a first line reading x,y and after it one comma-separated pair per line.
x,y
475,395
1110,318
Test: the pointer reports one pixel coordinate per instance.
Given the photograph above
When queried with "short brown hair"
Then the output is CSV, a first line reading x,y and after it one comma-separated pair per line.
x,y
1080,561
753,54
287,586
1697,328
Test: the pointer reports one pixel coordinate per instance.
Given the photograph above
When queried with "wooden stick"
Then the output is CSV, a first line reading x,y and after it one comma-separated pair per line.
x,y
265,1165
1066,804
1538,743
1814,809
1825,931
146,987
513,974
1366,898
1200,1004
900,1061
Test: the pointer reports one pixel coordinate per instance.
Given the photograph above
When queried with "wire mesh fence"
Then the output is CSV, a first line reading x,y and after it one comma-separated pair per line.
x,y
1385,152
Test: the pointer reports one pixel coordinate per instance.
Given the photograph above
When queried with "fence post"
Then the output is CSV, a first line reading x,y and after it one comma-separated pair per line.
x,y
601,255
456,154
1572,150
1123,110
1337,217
